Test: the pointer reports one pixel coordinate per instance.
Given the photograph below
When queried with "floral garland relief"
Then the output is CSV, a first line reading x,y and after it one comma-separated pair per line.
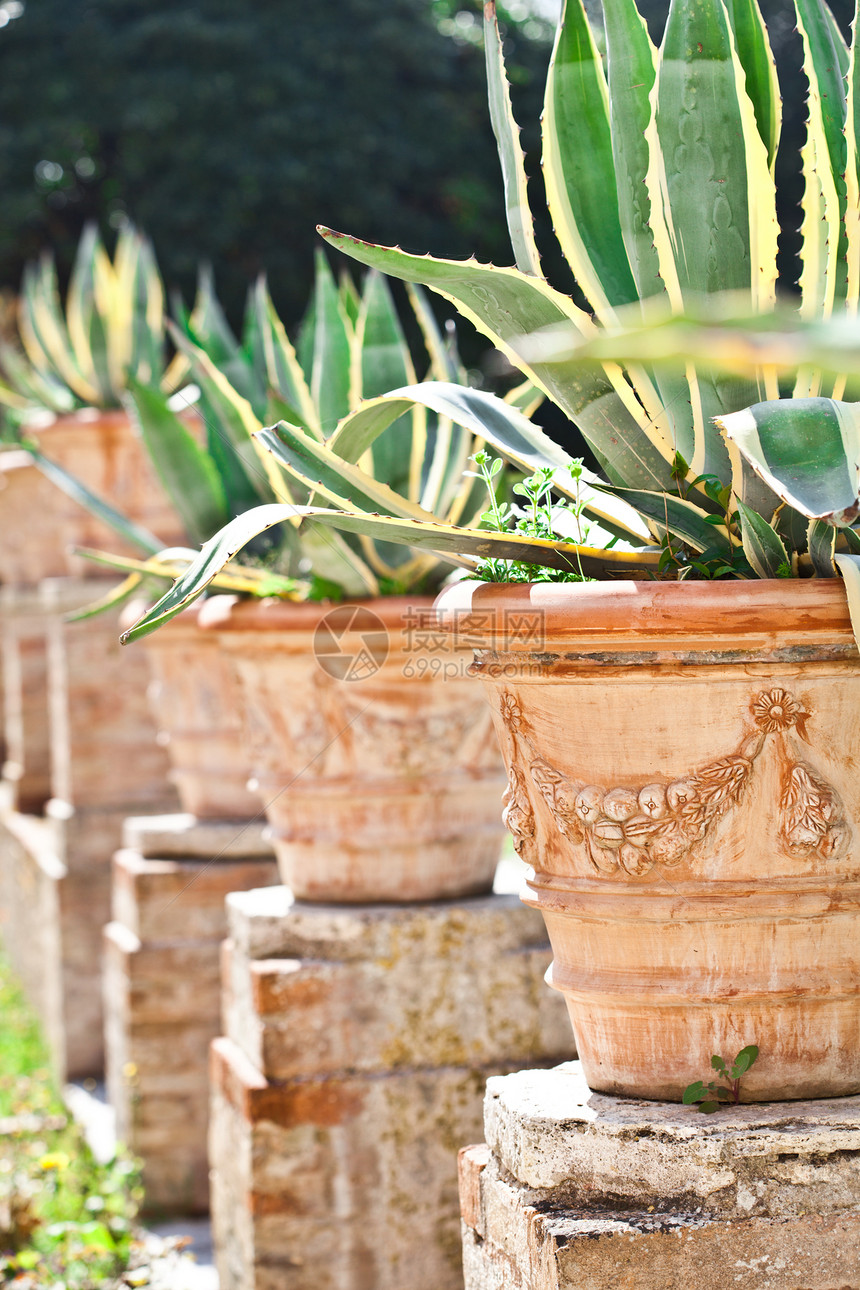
x,y
627,830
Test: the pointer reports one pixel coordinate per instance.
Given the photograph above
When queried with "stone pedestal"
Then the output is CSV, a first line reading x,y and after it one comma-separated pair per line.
x,y
162,993
73,693
358,1040
32,920
575,1190
27,768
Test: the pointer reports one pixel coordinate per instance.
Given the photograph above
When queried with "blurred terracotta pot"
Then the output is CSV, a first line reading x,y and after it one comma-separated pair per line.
x,y
373,753
195,698
683,778
40,523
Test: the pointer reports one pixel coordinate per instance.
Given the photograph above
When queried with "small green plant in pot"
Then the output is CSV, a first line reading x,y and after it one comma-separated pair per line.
x,y
679,732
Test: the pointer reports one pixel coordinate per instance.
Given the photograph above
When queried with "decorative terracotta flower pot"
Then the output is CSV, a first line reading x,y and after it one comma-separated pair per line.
x,y
195,698
378,768
40,523
684,778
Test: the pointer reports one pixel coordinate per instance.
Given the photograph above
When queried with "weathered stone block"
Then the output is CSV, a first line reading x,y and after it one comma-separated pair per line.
x,y
56,899
162,900
357,1040
338,1182
374,989
25,698
185,836
782,1159
30,877
580,1191
163,1004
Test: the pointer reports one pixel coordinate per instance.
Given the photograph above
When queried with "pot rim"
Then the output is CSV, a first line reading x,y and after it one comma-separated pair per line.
x,y
631,615
235,614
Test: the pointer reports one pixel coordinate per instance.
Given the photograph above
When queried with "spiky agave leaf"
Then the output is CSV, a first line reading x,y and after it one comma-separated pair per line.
x,y
806,450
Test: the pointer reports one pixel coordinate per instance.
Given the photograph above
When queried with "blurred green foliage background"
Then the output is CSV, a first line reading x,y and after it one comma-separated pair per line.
x,y
227,132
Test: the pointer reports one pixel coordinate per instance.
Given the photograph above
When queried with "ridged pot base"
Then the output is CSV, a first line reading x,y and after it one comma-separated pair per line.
x,y
683,778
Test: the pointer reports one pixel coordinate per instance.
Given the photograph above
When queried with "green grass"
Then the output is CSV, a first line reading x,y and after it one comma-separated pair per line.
x,y
65,1220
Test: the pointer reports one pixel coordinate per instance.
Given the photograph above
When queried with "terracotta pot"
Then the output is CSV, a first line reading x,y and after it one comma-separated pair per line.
x,y
40,523
195,698
683,778
378,767
33,548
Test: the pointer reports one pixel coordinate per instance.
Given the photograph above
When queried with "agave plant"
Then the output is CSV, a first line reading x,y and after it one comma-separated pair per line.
x,y
658,168
351,345
111,330
659,173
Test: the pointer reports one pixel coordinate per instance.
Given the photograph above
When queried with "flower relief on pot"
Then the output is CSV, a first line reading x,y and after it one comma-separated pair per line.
x,y
632,830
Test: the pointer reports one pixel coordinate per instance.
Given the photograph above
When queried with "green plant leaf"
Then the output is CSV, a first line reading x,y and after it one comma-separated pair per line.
x,y
38,387
217,552
723,170
508,307
763,547
631,72
491,419
381,351
821,541
519,216
87,313
444,362
852,175
680,517
849,567
283,370
578,166
207,323
457,542
824,156
333,561
756,58
806,450
43,329
139,280
330,374
744,1060
319,469
708,1108
694,1093
234,418
186,470
381,361
96,1236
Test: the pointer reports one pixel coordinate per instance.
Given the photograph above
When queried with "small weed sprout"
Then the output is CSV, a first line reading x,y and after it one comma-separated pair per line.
x,y
538,517
710,1095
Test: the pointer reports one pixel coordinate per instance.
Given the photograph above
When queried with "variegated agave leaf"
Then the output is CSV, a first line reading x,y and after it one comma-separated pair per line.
x,y
806,450
111,329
